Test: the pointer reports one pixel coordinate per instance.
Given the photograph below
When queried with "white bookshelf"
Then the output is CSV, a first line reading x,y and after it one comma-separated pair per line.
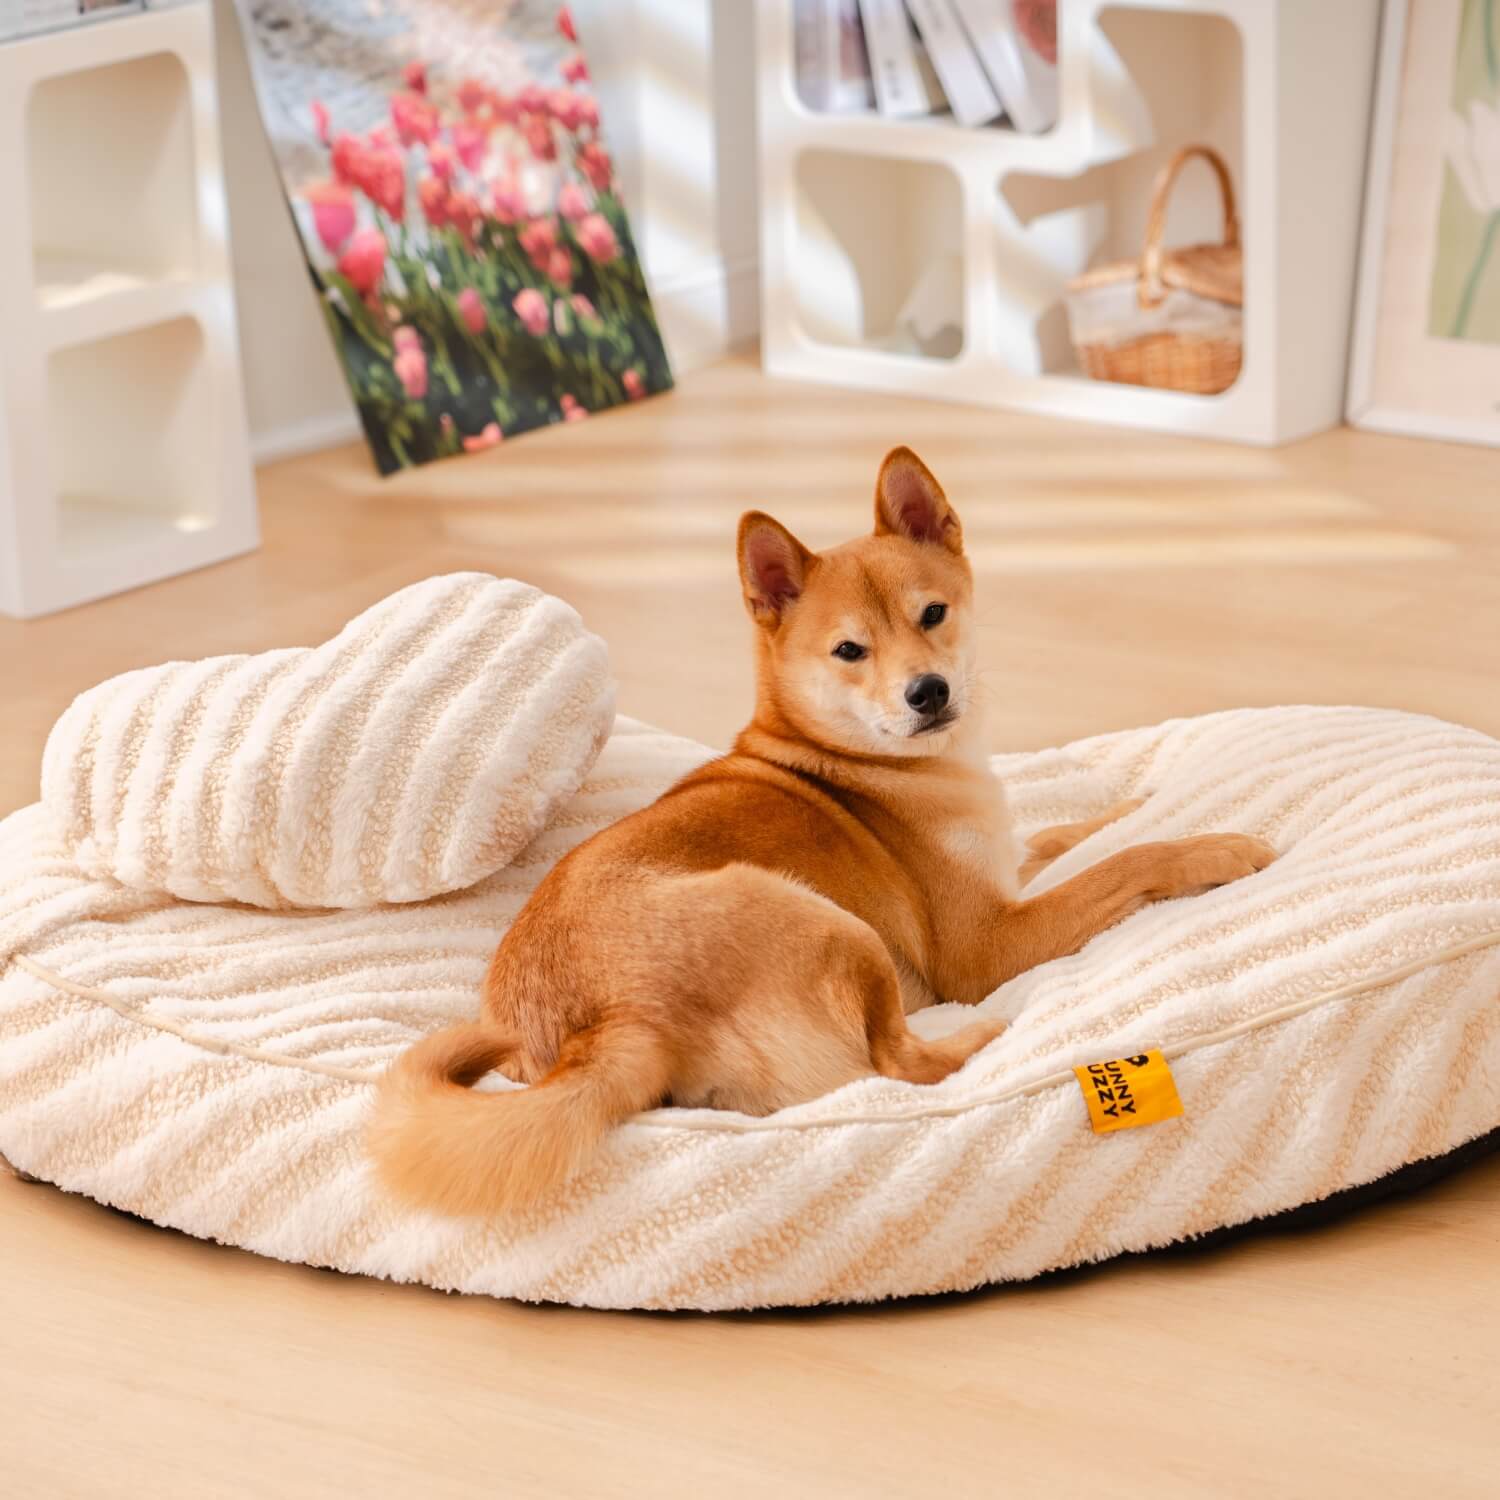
x,y
123,450
856,210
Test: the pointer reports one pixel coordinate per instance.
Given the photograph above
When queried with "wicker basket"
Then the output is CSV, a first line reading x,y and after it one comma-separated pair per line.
x,y
1173,319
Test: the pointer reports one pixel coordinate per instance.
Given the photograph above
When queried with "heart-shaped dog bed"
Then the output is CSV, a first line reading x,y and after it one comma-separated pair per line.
x,y
418,751
1328,1021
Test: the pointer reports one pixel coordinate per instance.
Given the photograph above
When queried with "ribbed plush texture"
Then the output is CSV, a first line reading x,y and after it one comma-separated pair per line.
x,y
417,752
1328,1021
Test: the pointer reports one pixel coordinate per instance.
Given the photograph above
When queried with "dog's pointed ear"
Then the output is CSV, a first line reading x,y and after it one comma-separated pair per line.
x,y
773,567
909,502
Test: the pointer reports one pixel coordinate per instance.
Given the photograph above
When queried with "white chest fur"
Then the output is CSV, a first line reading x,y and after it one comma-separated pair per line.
x,y
981,837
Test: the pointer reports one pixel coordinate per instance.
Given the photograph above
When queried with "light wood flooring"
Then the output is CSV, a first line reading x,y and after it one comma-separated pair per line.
x,y
1123,578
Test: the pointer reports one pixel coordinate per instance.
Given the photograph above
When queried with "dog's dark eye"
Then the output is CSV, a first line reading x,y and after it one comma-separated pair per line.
x,y
934,614
848,651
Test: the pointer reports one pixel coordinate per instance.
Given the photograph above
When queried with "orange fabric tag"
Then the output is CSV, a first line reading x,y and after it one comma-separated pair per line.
x,y
1129,1091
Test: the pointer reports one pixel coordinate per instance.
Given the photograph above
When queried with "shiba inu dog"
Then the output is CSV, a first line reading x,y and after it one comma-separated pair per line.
x,y
758,934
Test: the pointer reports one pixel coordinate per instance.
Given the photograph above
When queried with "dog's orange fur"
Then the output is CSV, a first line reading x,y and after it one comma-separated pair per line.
x,y
756,936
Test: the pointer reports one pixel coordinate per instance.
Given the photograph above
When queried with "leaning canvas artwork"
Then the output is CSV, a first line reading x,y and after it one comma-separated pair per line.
x,y
1465,297
456,202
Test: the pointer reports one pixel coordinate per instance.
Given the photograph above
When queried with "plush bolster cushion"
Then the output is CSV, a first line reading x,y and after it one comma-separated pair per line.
x,y
417,752
1328,1022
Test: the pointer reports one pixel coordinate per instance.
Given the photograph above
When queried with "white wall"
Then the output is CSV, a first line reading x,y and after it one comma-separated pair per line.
x,y
676,83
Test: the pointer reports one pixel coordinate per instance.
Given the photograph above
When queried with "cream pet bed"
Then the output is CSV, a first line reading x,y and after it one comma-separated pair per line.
x,y
1327,1021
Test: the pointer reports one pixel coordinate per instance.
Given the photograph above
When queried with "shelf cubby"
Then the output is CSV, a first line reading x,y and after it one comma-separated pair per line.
x,y
128,420
112,208
872,236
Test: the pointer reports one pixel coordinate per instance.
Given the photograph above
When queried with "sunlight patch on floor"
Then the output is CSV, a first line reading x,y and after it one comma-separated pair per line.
x,y
693,562
1289,547
823,522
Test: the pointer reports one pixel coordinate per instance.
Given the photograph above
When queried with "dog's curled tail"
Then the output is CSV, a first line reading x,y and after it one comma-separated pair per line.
x,y
437,1144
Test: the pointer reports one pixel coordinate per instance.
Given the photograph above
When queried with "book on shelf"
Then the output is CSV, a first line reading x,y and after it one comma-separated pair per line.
x,y
20,18
937,100
899,86
833,65
1016,41
970,93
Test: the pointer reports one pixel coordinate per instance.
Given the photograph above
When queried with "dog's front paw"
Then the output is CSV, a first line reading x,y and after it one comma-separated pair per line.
x,y
1213,859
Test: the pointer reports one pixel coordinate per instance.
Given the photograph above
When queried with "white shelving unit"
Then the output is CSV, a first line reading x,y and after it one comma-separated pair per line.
x,y
123,450
857,211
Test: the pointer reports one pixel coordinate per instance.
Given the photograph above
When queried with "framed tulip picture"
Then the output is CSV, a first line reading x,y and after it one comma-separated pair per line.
x,y
456,203
1425,358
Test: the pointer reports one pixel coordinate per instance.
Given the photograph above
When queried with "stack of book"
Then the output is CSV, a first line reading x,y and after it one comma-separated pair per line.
x,y
981,60
28,17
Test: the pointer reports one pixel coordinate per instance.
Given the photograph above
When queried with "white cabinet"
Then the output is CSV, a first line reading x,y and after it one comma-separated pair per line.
x,y
123,451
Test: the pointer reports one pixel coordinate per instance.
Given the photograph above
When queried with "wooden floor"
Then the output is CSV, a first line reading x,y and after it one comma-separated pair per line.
x,y
1122,579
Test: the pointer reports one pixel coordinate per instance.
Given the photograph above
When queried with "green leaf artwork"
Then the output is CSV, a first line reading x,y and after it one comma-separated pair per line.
x,y
1465,296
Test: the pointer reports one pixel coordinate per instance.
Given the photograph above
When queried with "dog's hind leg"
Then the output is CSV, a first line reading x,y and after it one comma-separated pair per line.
x,y
860,967
790,996
895,1050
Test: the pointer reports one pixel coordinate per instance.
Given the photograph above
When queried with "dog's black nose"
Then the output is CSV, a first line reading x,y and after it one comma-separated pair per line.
x,y
928,694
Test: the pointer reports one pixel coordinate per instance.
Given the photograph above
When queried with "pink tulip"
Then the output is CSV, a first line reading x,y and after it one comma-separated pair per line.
x,y
386,181
588,111
414,118
539,238
464,215
575,69
572,201
584,308
381,138
538,133
531,308
572,411
506,110
441,160
509,202
565,23
471,310
472,95
532,100
560,268
635,387
469,142
410,366
432,193
406,337
598,240
320,119
363,262
566,107
593,161
486,439
333,213
411,371
414,74
348,158
377,170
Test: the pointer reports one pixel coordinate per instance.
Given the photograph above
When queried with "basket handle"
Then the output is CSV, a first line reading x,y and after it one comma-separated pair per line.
x,y
1151,290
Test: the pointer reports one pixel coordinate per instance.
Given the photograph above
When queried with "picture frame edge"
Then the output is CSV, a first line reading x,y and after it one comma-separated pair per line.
x,y
1359,404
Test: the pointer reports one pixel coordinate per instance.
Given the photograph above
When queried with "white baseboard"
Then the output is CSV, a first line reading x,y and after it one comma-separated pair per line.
x,y
325,430
704,312
707,310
